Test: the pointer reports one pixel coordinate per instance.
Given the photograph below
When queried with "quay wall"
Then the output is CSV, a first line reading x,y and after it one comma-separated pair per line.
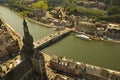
x,y
82,70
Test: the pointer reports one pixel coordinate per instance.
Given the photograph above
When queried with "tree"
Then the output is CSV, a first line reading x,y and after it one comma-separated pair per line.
x,y
104,1
40,5
70,6
24,13
115,2
3,1
113,10
114,18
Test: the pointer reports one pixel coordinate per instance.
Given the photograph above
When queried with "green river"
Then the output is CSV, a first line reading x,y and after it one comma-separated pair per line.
x,y
103,54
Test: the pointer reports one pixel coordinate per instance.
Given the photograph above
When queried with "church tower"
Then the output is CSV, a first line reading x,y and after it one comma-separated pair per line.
x,y
28,46
35,56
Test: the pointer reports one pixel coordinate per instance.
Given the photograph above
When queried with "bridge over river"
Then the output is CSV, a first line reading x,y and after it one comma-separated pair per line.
x,y
52,38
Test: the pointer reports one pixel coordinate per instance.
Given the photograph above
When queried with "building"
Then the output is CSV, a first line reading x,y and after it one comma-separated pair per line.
x,y
113,31
82,70
62,65
59,13
100,27
86,27
8,45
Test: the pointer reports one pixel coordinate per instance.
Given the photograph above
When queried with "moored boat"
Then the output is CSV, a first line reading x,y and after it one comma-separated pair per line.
x,y
83,37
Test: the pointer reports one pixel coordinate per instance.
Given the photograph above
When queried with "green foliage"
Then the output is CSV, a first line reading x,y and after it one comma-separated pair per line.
x,y
113,10
106,1
109,2
114,14
3,1
111,14
70,6
24,13
115,2
114,18
54,3
17,5
40,5
91,13
80,4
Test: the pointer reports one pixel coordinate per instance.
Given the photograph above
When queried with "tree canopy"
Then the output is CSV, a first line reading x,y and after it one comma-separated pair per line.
x,y
109,2
115,2
113,10
40,5
3,1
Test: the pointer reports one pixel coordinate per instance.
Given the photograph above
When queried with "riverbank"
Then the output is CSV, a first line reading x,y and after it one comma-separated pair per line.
x,y
100,38
42,24
32,20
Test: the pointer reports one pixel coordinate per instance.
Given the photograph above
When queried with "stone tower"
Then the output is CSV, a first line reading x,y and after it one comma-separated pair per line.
x,y
35,56
28,46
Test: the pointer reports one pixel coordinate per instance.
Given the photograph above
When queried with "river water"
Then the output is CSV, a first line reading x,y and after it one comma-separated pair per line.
x,y
98,53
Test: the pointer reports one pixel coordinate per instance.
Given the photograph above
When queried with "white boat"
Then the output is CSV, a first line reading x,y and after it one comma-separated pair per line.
x,y
83,37
80,32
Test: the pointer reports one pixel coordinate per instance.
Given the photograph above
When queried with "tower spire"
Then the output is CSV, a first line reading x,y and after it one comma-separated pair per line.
x,y
34,55
27,39
24,22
